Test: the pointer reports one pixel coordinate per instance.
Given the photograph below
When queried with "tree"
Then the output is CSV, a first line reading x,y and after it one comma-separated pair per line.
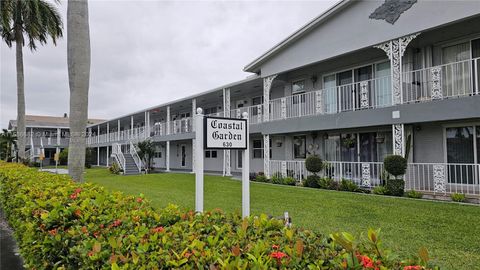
x,y
146,152
7,141
34,21
78,56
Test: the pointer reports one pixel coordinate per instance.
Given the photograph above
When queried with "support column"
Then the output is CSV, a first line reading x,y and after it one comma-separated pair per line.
x,y
98,156
118,134
395,49
398,132
267,85
266,155
194,113
167,157
168,120
131,127
146,129
58,136
108,156
227,168
98,134
108,132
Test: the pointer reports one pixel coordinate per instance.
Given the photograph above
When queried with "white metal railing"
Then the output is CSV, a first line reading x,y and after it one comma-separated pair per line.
x,y
438,178
159,129
444,178
118,155
136,158
441,82
255,113
361,95
180,126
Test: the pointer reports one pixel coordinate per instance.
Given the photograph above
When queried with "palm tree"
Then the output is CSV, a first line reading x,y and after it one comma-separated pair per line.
x,y
78,55
32,21
146,152
7,140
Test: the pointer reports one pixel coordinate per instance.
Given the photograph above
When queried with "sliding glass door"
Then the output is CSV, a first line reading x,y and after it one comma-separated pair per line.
x,y
383,85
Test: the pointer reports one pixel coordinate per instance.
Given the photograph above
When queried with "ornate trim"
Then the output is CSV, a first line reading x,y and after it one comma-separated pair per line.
x,y
319,102
226,102
366,175
259,113
228,169
364,95
266,155
267,85
283,105
398,139
395,49
284,168
439,179
436,73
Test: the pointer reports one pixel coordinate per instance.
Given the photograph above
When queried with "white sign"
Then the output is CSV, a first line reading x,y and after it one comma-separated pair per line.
x,y
225,133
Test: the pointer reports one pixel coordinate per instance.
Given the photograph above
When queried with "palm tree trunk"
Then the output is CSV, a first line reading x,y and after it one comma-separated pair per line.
x,y
20,92
78,55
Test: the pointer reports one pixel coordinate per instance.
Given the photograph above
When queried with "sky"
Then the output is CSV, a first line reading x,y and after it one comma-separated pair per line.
x,y
145,53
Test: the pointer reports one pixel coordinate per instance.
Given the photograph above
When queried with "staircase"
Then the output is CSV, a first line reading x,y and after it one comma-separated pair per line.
x,y
130,165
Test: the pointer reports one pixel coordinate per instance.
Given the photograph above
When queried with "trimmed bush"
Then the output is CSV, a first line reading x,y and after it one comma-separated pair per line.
x,y
63,157
395,165
59,224
414,194
314,164
395,187
458,197
380,190
261,178
348,185
311,181
114,168
277,179
289,181
327,183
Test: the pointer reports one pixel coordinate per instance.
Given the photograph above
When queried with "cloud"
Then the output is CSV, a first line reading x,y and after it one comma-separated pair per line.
x,y
150,52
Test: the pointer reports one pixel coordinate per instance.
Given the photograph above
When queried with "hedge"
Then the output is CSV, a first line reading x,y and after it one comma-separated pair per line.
x,y
60,224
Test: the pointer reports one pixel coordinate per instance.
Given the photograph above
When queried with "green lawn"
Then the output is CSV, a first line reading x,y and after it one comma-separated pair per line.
x,y
450,231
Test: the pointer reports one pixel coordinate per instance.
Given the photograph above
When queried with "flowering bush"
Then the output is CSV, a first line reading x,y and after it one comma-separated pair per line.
x,y
60,224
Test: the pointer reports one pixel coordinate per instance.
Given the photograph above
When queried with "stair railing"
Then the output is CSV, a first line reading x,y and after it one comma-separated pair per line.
x,y
135,157
118,155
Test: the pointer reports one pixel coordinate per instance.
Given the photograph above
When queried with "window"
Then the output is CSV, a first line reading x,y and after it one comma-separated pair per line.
x,y
257,100
298,86
211,154
157,155
461,143
299,147
257,149
210,110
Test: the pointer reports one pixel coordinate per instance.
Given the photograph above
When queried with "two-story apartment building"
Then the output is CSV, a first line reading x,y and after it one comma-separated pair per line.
x,y
46,133
363,80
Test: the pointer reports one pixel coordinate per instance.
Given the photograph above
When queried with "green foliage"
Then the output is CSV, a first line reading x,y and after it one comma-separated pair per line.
x,y
380,190
314,164
114,168
289,181
63,157
458,197
395,187
327,183
261,178
414,194
276,179
84,226
395,165
88,157
348,185
8,141
311,181
146,151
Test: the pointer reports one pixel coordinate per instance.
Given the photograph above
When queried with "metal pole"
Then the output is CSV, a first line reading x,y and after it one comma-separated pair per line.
x,y
199,161
246,174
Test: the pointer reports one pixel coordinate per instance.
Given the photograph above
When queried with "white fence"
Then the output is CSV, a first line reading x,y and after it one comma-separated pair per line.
x,y
255,113
439,178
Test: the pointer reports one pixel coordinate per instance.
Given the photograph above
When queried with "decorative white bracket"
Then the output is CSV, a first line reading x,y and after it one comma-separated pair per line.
x,y
364,95
395,49
436,73
283,111
318,102
267,85
398,139
284,169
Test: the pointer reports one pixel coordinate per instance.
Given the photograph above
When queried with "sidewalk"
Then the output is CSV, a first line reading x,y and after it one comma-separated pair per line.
x,y
9,257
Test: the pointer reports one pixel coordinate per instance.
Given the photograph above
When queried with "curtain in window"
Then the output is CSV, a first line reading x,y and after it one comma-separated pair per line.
x,y
299,147
456,74
332,148
383,84
330,94
476,54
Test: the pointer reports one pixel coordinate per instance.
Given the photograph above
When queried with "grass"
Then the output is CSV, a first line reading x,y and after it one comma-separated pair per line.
x,y
450,231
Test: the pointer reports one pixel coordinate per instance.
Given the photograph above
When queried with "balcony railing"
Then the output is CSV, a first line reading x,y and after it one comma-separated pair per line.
x,y
437,178
440,82
361,95
255,113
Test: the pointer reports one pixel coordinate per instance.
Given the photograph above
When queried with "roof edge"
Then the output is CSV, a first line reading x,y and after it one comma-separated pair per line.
x,y
295,35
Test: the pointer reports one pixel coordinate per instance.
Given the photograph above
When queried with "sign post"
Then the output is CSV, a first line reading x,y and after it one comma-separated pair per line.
x,y
220,133
199,160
